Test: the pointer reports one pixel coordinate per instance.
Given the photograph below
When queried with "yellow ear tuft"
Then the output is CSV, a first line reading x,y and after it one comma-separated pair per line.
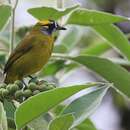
x,y
44,22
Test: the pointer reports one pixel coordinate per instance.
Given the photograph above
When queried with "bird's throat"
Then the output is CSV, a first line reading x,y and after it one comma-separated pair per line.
x,y
46,31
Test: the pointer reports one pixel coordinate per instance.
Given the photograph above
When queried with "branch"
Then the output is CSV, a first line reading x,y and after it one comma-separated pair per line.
x,y
13,26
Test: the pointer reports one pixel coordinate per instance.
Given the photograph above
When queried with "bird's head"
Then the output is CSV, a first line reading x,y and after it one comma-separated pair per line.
x,y
49,26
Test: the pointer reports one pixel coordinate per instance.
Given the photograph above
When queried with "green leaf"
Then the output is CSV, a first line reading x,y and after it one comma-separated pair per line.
x,y
39,123
11,123
5,12
62,123
43,102
85,105
86,125
115,37
44,13
11,129
3,120
96,49
10,109
59,49
2,59
92,17
108,70
52,68
58,109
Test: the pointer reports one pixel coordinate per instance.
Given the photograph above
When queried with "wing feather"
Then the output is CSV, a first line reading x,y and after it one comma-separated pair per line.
x,y
22,48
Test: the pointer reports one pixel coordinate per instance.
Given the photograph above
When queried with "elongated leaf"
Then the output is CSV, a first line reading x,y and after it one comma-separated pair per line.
x,y
92,17
57,110
10,109
115,37
62,123
108,70
5,12
3,120
85,105
52,68
43,102
39,123
60,49
42,13
86,125
96,49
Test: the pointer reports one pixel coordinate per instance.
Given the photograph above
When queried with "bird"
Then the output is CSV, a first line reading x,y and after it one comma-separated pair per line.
x,y
33,52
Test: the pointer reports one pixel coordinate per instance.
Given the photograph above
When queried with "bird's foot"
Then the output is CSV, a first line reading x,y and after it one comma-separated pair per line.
x,y
25,85
40,82
33,79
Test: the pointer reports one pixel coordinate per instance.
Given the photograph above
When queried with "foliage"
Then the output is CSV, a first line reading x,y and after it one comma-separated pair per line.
x,y
92,17
39,106
3,120
6,10
49,13
50,99
63,122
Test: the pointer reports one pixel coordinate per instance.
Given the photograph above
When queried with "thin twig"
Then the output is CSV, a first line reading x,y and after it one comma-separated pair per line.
x,y
12,31
16,3
13,26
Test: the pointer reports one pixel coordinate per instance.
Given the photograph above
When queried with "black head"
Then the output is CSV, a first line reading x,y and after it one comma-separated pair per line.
x,y
49,26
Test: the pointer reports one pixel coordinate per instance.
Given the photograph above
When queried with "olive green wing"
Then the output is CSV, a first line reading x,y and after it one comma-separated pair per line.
x,y
22,48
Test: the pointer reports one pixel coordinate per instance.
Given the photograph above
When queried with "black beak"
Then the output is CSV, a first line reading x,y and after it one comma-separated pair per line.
x,y
60,28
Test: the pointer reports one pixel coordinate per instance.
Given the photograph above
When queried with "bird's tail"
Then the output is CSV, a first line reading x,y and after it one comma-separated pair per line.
x,y
10,78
